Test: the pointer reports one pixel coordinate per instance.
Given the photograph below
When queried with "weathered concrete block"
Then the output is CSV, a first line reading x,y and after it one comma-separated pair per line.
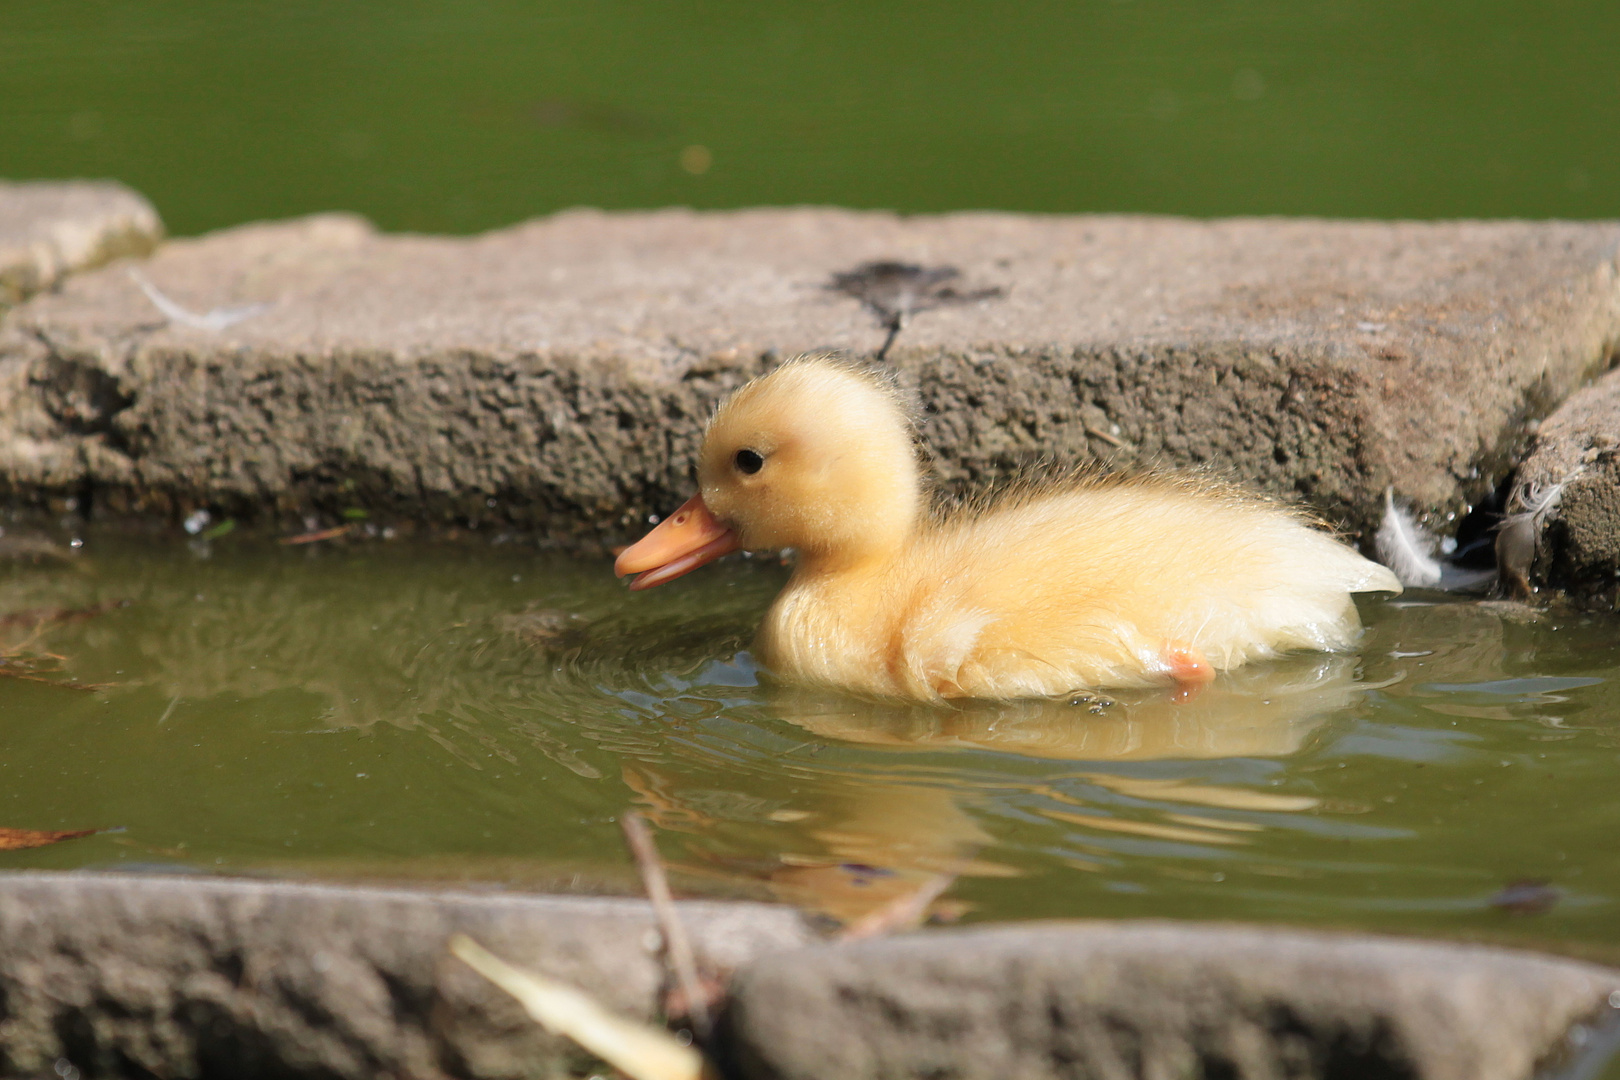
x,y
1565,534
125,975
51,228
1113,1001
556,374
122,975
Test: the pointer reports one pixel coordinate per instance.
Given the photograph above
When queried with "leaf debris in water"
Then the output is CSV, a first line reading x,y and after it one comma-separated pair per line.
x,y
18,839
18,660
1527,896
318,536
42,616
895,291
33,549
46,669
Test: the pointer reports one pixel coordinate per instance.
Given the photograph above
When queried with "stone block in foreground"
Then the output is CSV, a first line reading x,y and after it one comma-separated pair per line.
x,y
51,228
122,975
130,975
1566,495
556,375
1155,1000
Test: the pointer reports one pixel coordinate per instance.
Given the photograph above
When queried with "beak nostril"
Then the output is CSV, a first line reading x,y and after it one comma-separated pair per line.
x,y
684,541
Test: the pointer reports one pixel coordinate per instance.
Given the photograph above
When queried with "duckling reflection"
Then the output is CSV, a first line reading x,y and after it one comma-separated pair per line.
x,y
873,838
852,849
1267,710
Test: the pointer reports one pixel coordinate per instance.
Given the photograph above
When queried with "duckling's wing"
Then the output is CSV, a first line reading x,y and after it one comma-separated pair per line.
x,y
1099,583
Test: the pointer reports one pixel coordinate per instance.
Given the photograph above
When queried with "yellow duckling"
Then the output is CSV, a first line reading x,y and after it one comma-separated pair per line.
x,y
1087,584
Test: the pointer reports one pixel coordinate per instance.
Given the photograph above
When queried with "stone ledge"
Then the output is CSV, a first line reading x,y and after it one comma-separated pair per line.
x,y
52,228
132,975
1571,544
129,975
1148,1000
563,368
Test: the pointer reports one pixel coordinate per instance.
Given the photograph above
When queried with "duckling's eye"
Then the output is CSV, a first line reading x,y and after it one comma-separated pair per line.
x,y
749,461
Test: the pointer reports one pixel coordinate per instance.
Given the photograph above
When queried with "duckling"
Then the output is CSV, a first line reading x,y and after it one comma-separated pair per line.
x,y
1093,582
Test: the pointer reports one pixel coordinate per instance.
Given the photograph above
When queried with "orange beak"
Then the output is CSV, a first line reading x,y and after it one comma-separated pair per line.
x,y
681,543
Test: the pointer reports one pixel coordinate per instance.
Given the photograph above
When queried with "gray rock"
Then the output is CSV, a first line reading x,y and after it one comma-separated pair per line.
x,y
51,228
123,975
1564,530
556,375
1160,1000
131,975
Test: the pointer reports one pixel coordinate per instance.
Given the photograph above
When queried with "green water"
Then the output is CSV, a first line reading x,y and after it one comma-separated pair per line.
x,y
483,713
440,116
395,712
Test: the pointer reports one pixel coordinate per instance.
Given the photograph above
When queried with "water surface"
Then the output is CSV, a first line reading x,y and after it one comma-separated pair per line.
x,y
441,116
483,713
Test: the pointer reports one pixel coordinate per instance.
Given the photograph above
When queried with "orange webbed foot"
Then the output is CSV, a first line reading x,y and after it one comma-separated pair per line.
x,y
1190,668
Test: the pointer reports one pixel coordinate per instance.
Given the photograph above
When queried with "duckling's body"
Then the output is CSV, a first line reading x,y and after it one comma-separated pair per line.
x,y
1094,583
1107,584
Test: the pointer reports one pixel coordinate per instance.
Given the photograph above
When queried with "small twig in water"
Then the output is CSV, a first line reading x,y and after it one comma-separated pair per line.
x,y
902,913
677,947
169,711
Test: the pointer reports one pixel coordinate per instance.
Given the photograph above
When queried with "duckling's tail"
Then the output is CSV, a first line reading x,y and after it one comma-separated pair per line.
x,y
1373,577
1347,569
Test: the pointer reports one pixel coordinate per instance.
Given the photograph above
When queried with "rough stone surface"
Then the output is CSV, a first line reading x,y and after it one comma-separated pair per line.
x,y
1159,1000
122,975
555,375
49,229
1573,473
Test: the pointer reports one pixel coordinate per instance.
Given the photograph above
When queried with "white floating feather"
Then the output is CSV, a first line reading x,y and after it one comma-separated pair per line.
x,y
1406,547
215,319
1461,579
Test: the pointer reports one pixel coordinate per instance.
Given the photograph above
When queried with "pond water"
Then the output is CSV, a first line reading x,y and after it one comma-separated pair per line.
x,y
484,713
441,116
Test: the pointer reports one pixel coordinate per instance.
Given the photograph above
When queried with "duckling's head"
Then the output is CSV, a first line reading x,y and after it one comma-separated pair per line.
x,y
816,456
